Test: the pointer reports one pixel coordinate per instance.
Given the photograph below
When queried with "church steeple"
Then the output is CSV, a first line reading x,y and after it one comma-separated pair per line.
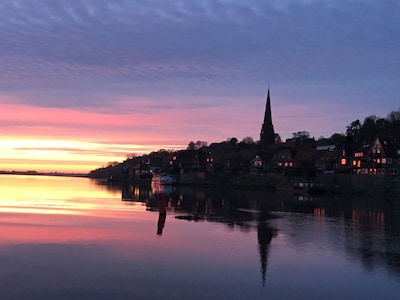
x,y
267,135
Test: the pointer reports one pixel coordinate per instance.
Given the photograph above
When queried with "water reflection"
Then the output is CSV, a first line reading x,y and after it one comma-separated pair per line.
x,y
369,227
236,243
162,213
265,233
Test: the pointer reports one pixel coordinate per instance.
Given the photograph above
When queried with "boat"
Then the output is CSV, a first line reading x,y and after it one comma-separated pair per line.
x,y
163,179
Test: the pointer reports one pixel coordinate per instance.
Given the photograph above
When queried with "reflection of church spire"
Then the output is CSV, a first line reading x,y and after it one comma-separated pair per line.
x,y
267,135
264,234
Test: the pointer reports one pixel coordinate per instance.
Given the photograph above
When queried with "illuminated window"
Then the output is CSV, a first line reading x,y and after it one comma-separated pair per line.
x,y
291,163
354,163
343,161
376,150
359,163
378,161
384,160
359,154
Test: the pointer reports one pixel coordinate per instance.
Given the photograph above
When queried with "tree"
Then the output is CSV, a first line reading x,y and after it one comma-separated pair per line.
x,y
233,142
301,136
278,138
393,116
338,139
196,146
248,140
354,128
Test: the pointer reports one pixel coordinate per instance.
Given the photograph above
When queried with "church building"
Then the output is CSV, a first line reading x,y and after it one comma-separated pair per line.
x,y
267,135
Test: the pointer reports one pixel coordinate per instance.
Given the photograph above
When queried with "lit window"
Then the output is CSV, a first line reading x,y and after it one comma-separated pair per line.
x,y
354,163
378,161
343,161
359,154
384,160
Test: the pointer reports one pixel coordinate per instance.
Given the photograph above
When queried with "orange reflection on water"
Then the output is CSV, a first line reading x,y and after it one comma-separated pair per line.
x,y
47,228
60,209
56,195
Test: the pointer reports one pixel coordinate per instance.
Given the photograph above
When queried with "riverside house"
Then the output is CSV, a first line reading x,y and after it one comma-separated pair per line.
x,y
381,157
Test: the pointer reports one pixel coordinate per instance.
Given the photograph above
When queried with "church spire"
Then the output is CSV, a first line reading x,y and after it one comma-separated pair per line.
x,y
267,135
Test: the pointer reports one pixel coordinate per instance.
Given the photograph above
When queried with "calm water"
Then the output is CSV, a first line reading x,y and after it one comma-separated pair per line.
x,y
72,238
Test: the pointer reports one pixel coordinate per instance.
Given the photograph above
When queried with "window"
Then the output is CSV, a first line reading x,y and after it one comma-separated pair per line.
x,y
359,154
343,161
384,160
388,160
394,172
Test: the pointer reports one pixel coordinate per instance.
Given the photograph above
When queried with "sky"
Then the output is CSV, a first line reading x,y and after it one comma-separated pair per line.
x,y
88,82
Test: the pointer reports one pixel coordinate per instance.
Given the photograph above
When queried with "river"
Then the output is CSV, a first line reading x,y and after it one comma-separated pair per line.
x,y
75,238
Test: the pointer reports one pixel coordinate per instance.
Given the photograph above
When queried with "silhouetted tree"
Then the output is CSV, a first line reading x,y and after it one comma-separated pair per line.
x,y
354,128
248,140
233,142
338,139
393,124
196,146
301,136
368,129
278,138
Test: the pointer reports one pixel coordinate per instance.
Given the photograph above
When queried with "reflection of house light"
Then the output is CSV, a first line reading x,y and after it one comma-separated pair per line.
x,y
319,212
136,192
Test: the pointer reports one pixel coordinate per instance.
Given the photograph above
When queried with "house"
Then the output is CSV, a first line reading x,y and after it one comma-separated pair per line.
x,y
283,159
327,161
381,157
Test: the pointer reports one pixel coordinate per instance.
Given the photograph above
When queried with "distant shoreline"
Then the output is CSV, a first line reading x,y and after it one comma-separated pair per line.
x,y
35,173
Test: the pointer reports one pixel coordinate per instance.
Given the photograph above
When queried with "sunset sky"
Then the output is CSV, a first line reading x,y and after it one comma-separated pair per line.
x,y
87,82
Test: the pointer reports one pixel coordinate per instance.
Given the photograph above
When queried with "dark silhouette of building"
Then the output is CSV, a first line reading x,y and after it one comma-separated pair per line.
x,y
267,135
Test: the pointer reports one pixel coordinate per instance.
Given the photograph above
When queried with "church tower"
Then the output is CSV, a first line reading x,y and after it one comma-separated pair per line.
x,y
267,135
